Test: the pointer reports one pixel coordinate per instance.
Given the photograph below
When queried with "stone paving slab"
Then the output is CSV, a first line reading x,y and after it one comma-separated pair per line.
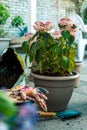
x,y
79,123
78,102
82,83
82,89
83,77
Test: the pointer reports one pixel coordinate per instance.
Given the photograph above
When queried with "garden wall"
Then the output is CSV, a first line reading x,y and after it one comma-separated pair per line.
x,y
16,7
45,9
53,10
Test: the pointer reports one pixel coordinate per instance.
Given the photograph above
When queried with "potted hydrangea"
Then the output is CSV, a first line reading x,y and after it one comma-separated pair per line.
x,y
17,22
52,58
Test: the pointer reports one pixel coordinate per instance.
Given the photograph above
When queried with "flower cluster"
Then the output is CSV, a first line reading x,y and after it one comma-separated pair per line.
x,y
65,24
53,53
43,26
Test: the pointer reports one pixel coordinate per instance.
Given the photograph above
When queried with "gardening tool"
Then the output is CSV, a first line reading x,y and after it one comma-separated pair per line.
x,y
62,114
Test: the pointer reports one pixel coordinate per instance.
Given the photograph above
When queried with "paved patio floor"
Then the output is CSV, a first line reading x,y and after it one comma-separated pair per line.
x,y
78,102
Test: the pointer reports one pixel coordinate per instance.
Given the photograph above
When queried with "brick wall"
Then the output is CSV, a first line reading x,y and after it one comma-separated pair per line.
x,y
46,10
53,10
16,7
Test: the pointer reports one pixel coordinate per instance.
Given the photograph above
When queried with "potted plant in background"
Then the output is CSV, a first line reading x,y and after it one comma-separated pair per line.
x,y
17,22
53,61
78,67
4,15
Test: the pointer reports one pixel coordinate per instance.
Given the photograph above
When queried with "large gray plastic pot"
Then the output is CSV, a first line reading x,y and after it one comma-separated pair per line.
x,y
60,89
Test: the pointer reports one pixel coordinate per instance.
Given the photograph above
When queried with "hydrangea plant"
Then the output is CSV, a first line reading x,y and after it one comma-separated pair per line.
x,y
54,53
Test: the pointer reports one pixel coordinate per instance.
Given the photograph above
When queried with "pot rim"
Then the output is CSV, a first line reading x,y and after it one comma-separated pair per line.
x,y
55,77
79,62
6,39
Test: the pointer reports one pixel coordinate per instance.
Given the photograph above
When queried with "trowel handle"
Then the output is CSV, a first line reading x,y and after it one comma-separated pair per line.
x,y
40,113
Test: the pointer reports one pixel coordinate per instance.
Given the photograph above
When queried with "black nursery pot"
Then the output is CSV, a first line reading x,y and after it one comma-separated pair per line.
x,y
10,68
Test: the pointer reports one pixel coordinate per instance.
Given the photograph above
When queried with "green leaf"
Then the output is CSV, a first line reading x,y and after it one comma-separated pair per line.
x,y
4,13
53,47
25,47
66,51
72,53
31,57
59,50
71,39
71,65
62,26
74,26
48,38
64,63
7,107
65,34
38,56
34,47
17,21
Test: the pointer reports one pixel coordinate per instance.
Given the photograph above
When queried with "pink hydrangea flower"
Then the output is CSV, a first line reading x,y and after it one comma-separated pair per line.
x,y
48,26
29,35
43,26
38,25
67,24
73,31
56,34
